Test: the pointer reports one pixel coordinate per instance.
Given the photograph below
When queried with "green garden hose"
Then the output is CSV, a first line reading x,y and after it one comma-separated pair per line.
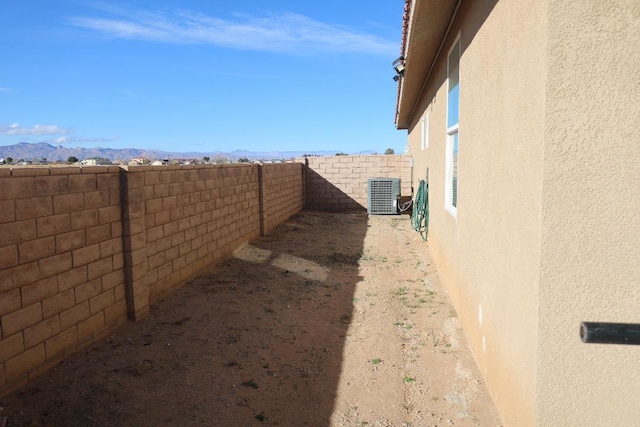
x,y
420,215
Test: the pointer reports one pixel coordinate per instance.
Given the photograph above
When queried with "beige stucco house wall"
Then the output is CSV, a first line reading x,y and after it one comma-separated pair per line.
x,y
546,232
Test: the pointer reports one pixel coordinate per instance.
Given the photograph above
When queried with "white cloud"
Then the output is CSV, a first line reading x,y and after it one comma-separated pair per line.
x,y
16,129
79,139
286,32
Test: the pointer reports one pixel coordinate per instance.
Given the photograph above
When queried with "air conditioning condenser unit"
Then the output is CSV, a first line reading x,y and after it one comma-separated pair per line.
x,y
383,196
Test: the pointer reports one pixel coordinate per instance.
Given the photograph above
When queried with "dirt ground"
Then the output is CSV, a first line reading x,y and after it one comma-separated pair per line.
x,y
331,320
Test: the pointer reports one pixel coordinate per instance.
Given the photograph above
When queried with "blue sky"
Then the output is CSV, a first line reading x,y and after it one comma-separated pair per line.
x,y
200,75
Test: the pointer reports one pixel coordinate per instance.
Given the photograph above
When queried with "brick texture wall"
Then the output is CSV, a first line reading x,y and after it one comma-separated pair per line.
x,y
194,216
339,183
282,193
84,249
62,282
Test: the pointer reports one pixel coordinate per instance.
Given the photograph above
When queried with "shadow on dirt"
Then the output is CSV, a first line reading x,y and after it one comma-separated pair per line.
x,y
258,341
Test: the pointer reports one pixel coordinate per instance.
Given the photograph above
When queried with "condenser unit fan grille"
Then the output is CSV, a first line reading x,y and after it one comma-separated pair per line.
x,y
383,195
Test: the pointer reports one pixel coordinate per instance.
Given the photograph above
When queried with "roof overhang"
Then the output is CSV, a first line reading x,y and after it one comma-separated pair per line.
x,y
428,25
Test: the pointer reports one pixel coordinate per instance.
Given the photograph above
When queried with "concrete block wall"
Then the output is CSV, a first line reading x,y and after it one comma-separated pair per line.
x,y
62,282
84,249
340,183
282,189
193,217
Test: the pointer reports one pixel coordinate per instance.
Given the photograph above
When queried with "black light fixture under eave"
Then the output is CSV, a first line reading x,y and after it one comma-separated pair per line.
x,y
399,66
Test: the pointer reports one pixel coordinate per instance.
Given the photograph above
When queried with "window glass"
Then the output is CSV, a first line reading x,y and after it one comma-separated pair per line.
x,y
453,119
453,98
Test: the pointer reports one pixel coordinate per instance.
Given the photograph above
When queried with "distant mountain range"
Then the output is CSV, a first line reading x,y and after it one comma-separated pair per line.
x,y
42,150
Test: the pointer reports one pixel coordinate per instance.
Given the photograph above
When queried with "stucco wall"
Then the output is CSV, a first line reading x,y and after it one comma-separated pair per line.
x,y
591,222
488,255
547,225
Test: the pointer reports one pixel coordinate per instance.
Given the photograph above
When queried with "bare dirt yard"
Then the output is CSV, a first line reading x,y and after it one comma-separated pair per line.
x,y
331,320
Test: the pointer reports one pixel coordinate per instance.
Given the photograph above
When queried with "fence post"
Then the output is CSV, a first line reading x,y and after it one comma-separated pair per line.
x,y
134,244
261,191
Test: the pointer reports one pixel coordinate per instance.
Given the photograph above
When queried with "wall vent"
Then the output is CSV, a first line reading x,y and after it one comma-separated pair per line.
x,y
383,196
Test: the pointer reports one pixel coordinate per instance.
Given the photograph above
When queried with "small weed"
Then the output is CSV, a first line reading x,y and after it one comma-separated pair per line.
x,y
403,325
376,361
250,383
408,379
408,303
433,338
401,291
355,300
345,318
261,417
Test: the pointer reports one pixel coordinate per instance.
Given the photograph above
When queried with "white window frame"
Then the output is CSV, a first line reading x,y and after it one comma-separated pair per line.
x,y
449,206
424,130
452,133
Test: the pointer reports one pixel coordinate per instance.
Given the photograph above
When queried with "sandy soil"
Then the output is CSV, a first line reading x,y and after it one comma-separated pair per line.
x,y
331,320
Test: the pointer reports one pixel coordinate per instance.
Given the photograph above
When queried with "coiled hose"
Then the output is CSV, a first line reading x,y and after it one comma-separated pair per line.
x,y
420,214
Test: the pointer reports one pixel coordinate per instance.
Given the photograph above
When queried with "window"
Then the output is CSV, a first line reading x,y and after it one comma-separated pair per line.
x,y
425,131
453,119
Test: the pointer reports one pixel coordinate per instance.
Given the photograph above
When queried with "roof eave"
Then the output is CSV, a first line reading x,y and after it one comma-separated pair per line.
x,y
428,24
